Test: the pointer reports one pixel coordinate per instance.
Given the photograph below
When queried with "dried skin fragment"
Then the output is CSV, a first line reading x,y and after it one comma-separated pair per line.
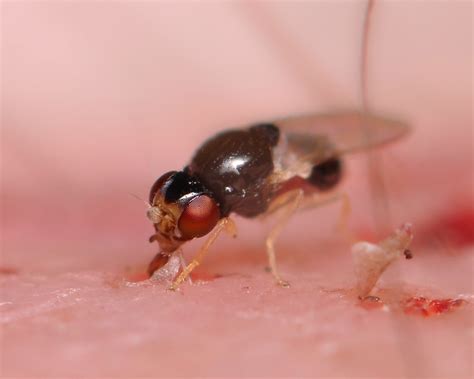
x,y
371,260
168,272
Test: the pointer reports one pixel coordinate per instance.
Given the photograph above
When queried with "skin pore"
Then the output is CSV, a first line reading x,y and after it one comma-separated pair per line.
x,y
101,99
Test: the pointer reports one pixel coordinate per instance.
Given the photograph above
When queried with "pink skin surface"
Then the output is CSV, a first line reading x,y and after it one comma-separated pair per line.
x,y
101,98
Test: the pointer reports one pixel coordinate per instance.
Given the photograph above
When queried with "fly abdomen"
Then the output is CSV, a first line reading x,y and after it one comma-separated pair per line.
x,y
327,174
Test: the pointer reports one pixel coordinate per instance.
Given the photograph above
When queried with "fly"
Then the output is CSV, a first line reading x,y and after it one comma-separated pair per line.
x,y
255,171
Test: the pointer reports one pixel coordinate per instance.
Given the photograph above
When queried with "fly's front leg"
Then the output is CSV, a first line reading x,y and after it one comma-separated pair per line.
x,y
182,262
224,224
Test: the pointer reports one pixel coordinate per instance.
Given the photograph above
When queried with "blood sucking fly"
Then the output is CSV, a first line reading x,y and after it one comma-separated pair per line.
x,y
255,171
259,170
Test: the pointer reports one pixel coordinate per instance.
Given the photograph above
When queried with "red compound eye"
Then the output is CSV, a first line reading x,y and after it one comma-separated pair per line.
x,y
199,217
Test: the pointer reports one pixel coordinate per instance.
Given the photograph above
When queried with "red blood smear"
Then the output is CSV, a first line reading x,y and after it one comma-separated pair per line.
x,y
415,305
422,306
138,276
442,306
456,228
8,271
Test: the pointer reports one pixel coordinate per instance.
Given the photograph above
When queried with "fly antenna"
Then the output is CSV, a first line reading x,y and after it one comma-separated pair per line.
x,y
139,198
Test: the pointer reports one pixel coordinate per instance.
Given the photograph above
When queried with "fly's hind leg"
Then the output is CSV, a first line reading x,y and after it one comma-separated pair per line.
x,y
289,203
223,224
319,199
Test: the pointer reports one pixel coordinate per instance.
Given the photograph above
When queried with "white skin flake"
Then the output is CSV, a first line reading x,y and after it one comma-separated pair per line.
x,y
371,260
168,271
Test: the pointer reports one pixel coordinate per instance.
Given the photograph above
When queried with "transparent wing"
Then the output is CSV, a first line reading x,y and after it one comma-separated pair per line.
x,y
347,131
311,139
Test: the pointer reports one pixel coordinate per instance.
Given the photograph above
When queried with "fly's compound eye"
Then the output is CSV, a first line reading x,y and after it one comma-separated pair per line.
x,y
199,217
327,174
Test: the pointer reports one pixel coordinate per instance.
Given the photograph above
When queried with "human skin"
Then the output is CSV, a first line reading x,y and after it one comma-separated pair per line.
x,y
99,99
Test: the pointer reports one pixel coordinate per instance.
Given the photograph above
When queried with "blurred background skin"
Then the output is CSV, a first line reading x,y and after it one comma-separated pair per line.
x,y
101,98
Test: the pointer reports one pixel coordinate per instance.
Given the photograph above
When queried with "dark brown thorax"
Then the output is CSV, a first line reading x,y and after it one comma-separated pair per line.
x,y
236,165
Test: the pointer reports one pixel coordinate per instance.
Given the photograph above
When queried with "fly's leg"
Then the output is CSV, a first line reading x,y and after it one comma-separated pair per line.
x,y
289,203
318,200
224,224
182,262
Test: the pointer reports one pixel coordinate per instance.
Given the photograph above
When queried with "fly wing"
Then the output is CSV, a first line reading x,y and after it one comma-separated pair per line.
x,y
314,138
347,131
